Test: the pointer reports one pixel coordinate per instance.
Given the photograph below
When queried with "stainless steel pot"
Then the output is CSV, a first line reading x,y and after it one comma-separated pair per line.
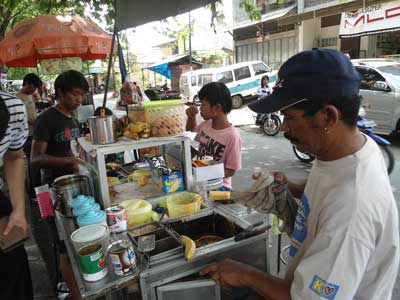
x,y
102,130
67,188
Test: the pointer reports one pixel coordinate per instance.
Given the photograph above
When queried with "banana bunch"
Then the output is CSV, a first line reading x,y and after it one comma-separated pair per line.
x,y
131,135
137,130
120,125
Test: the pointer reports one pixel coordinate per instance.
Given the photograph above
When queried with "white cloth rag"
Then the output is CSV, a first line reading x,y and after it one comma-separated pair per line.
x,y
269,196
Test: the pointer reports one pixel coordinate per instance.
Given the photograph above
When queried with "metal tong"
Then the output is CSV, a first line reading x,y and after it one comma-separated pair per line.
x,y
251,231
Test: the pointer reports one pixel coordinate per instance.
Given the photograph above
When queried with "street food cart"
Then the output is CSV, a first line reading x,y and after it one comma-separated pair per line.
x,y
164,271
219,231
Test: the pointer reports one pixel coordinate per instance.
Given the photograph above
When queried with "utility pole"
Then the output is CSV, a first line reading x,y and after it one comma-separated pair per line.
x,y
127,50
190,42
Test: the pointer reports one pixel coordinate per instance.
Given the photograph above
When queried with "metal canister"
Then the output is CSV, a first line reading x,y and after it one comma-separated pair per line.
x,y
116,219
102,129
92,262
66,188
122,257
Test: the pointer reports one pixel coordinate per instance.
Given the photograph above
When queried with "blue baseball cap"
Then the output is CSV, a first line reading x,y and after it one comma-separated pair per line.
x,y
309,75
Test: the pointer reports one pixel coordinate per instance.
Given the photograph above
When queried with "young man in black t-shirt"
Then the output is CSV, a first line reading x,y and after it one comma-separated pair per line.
x,y
51,151
56,128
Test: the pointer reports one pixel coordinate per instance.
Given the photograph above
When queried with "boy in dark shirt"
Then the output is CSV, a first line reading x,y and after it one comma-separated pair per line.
x,y
51,151
56,128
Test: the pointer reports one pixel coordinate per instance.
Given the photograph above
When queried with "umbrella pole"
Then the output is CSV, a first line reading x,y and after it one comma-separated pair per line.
x,y
91,85
110,59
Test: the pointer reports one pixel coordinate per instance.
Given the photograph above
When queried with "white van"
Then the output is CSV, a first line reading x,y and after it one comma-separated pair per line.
x,y
242,80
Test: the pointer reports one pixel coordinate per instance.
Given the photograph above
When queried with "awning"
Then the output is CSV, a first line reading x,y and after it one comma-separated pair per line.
x,y
134,13
328,11
265,17
376,19
163,67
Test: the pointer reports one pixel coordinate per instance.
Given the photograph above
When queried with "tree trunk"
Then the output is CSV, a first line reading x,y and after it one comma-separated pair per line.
x,y
4,25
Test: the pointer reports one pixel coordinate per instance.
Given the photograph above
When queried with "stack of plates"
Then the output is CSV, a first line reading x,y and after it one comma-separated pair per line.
x,y
214,184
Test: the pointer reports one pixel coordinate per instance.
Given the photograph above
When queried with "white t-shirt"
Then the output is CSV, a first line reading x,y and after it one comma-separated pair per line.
x,y
17,129
346,239
265,91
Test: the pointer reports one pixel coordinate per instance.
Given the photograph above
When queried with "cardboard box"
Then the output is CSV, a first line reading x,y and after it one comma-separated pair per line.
x,y
209,172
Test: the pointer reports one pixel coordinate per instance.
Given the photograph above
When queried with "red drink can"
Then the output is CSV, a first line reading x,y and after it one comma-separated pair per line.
x,y
116,219
122,257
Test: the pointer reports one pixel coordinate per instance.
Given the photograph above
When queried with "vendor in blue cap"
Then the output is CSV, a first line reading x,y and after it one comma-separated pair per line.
x,y
345,240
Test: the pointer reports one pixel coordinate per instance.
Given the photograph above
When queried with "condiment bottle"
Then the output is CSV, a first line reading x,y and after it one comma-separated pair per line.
x,y
256,173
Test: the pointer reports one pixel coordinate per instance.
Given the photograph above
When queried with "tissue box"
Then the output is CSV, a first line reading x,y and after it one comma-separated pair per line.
x,y
209,172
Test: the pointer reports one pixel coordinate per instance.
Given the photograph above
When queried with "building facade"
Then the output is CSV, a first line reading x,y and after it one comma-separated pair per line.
x,y
363,29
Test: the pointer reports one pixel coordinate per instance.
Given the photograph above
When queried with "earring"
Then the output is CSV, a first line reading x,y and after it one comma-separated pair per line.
x,y
326,129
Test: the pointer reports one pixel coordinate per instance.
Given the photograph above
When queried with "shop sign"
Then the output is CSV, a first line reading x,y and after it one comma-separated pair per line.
x,y
373,19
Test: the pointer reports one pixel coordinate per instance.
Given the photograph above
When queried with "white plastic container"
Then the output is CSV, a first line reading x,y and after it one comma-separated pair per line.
x,y
91,234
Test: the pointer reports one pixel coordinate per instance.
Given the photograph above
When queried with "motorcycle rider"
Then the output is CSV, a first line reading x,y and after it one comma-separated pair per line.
x,y
264,89
270,124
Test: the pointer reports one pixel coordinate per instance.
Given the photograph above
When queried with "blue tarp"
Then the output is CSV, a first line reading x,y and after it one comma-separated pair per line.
x,y
163,68
122,66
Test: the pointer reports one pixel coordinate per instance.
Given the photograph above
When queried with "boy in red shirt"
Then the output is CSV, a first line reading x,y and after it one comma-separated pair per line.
x,y
216,136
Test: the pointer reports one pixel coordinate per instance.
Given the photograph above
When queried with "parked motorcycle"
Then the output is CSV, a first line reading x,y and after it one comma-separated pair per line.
x,y
154,93
367,127
270,123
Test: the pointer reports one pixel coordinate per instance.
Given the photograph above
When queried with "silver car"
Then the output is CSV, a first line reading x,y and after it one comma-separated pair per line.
x,y
380,89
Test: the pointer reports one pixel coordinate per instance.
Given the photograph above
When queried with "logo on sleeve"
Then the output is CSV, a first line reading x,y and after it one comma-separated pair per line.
x,y
323,288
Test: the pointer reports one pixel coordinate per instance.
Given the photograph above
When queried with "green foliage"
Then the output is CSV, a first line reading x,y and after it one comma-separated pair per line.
x,y
19,73
14,11
175,30
211,60
251,10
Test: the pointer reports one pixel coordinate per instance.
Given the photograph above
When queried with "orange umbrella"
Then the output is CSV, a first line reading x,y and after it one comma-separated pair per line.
x,y
53,36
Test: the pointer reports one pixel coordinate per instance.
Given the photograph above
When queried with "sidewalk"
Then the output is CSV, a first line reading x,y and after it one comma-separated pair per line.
x,y
42,289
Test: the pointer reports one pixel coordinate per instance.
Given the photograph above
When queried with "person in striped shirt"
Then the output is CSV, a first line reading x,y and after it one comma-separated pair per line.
x,y
15,279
